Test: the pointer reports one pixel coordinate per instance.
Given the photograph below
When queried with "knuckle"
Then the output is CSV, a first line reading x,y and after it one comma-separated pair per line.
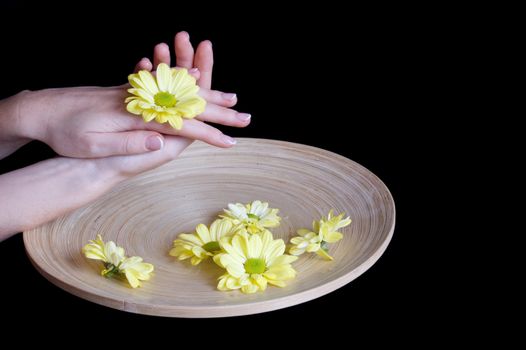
x,y
231,115
128,144
88,145
214,135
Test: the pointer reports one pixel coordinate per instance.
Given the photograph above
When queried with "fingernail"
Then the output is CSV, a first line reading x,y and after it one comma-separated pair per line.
x,y
193,70
228,140
154,143
243,116
229,96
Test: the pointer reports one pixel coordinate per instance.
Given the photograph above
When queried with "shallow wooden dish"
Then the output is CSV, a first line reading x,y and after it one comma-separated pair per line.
x,y
146,213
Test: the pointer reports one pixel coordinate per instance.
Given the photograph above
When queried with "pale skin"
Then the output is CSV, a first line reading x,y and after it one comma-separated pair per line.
x,y
99,142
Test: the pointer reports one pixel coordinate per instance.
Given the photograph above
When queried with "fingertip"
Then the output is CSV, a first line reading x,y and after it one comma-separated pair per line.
x,y
162,46
143,64
161,54
146,63
227,141
244,118
183,34
229,98
205,44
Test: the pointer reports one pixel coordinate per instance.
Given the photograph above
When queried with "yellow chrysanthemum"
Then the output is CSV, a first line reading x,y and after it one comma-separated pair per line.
x,y
136,270
168,97
203,243
306,241
323,232
109,253
252,261
255,216
116,263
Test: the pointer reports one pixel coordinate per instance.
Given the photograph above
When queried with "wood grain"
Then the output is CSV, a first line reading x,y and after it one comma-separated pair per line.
x,y
146,213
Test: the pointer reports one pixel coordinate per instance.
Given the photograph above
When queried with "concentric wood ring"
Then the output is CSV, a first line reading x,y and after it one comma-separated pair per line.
x,y
146,213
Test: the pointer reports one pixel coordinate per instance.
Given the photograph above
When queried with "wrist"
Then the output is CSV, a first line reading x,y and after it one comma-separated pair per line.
x,y
31,115
12,135
15,117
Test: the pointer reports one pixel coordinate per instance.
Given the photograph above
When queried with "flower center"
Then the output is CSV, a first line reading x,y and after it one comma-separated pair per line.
x,y
253,216
255,266
110,270
212,246
164,99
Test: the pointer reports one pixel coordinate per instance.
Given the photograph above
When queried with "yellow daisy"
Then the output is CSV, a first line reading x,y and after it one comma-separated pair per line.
x,y
109,253
116,264
329,227
323,232
168,97
256,217
306,240
203,243
252,261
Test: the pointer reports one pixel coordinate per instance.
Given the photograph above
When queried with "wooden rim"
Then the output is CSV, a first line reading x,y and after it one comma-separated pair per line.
x,y
303,181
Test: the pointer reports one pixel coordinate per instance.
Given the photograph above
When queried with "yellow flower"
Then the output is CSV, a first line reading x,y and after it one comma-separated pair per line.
x,y
306,241
108,253
329,227
203,243
252,261
255,216
316,240
116,263
168,97
135,270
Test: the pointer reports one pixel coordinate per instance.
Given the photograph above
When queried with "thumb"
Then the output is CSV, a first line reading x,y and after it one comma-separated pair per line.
x,y
128,142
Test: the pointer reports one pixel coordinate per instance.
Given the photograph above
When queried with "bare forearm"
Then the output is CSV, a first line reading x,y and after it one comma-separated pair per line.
x,y
31,196
39,193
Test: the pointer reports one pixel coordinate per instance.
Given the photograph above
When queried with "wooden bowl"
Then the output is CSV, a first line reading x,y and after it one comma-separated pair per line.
x,y
145,214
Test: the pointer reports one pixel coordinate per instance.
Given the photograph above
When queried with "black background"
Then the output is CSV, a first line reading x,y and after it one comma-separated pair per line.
x,y
301,73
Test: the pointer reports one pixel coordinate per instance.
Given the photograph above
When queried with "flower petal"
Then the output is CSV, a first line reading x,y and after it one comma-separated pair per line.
x,y
195,260
260,281
294,250
180,80
232,265
202,232
284,260
332,237
254,247
193,238
144,94
250,288
149,115
176,122
324,254
132,280
164,77
149,82
136,81
133,107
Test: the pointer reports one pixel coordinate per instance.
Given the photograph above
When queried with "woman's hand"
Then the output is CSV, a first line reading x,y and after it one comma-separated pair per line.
x,y
92,122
